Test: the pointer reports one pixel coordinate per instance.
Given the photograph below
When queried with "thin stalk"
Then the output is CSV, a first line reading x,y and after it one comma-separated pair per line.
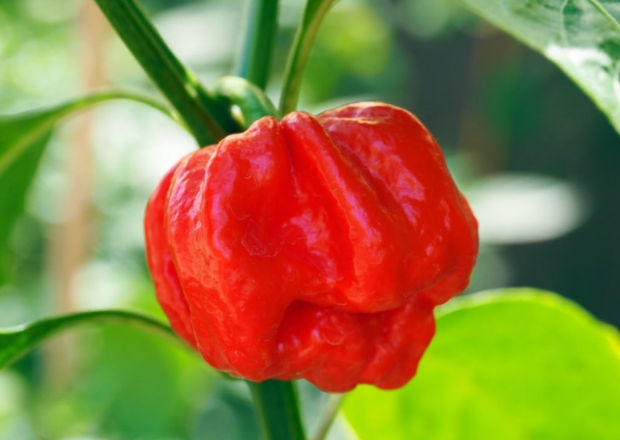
x,y
278,410
311,19
205,117
258,40
328,416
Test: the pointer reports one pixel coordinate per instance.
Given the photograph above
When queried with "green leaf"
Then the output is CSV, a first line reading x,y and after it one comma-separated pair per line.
x,y
17,341
20,131
16,179
261,26
582,37
23,138
206,117
511,364
311,19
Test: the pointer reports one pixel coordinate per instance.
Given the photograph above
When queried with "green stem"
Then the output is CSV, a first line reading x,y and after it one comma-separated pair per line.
x,y
260,32
204,116
278,409
311,19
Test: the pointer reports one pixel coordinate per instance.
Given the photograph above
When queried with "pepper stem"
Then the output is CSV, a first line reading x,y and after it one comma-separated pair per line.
x,y
277,406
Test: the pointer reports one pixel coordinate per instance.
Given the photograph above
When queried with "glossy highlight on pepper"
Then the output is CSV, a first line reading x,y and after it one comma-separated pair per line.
x,y
312,247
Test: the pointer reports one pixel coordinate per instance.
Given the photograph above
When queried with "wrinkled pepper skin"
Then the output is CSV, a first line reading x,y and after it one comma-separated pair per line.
x,y
312,247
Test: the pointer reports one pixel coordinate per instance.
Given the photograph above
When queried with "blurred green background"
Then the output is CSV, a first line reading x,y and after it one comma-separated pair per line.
x,y
539,163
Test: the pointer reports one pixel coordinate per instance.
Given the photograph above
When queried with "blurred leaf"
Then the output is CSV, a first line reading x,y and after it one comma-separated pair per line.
x,y
429,18
23,138
16,180
349,33
510,364
20,131
17,341
339,63
581,36
138,387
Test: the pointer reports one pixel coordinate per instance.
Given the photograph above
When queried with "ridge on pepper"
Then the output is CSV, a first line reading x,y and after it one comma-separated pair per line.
x,y
314,247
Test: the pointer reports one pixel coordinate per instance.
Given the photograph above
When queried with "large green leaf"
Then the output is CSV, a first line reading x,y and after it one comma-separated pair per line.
x,y
17,341
581,36
511,364
23,138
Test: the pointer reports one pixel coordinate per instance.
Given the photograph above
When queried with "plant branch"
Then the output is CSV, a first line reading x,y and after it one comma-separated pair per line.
x,y
311,19
257,47
205,117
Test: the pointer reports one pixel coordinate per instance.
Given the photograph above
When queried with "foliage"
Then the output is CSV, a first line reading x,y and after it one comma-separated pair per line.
x,y
512,363
17,341
581,36
23,138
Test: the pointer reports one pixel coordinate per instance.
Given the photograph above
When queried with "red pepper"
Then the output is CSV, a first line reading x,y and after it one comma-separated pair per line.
x,y
313,247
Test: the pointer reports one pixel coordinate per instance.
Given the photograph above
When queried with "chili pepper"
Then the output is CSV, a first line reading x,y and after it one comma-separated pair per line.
x,y
312,247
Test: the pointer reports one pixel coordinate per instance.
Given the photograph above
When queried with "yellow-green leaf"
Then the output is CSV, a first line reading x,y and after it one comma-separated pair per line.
x,y
514,364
